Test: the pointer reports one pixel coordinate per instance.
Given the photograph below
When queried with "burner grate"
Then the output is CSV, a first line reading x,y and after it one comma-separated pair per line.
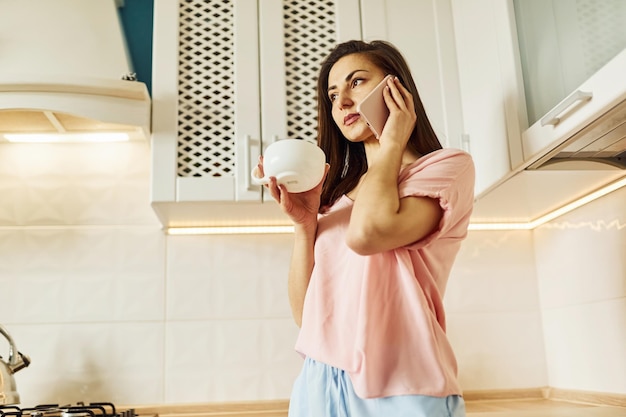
x,y
97,409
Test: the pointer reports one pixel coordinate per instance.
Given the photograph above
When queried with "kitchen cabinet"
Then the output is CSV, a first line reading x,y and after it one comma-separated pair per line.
x,y
573,57
491,86
463,56
563,43
423,31
517,179
229,78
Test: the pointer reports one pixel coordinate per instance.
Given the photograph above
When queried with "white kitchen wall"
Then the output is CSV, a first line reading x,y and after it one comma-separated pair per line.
x,y
493,311
110,309
581,269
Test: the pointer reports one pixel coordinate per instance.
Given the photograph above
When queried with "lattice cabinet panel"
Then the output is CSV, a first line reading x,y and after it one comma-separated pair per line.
x,y
206,89
310,33
206,86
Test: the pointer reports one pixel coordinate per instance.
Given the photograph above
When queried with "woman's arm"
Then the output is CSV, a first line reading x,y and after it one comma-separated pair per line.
x,y
380,219
302,261
302,209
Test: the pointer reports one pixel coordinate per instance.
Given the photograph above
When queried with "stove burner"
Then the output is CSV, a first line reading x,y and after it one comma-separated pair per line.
x,y
100,409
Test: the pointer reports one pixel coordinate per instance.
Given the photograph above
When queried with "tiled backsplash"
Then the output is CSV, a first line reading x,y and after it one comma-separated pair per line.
x,y
581,264
494,321
109,308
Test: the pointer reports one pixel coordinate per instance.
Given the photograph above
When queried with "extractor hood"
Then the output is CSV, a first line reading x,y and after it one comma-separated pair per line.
x,y
577,148
64,68
588,126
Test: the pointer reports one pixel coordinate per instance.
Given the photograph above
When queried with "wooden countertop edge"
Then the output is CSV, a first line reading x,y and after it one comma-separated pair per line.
x,y
271,408
204,409
549,393
588,397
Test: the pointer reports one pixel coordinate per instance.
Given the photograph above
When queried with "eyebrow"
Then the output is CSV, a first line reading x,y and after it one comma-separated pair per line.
x,y
348,77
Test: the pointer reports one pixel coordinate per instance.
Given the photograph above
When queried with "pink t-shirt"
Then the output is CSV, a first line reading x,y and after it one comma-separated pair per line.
x,y
380,317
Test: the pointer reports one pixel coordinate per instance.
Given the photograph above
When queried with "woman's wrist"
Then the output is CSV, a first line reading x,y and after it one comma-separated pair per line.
x,y
306,230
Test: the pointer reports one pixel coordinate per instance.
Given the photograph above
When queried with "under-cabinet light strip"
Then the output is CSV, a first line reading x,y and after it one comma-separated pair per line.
x,y
579,203
229,230
553,214
499,226
66,137
473,226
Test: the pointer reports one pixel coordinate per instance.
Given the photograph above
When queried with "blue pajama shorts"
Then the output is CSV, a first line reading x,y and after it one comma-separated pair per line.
x,y
324,391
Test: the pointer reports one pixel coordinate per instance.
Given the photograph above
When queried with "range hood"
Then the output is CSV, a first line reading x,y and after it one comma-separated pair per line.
x,y
588,126
65,69
576,149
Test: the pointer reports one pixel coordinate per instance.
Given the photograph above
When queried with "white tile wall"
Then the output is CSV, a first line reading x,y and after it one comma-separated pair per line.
x,y
75,184
228,276
119,362
494,321
581,267
229,325
109,308
586,346
65,275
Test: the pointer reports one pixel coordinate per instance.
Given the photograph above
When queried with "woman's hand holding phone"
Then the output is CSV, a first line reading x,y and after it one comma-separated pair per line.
x,y
389,99
402,117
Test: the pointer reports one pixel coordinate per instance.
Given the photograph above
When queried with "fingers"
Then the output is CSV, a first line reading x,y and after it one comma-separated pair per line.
x,y
402,98
272,186
274,189
259,168
280,194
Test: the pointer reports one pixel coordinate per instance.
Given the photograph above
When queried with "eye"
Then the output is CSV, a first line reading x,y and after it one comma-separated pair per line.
x,y
356,81
332,97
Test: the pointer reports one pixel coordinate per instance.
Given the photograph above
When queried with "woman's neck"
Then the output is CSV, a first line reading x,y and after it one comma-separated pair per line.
x,y
372,147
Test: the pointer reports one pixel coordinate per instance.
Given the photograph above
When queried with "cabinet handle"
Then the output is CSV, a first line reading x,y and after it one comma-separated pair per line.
x,y
553,117
465,142
266,143
247,160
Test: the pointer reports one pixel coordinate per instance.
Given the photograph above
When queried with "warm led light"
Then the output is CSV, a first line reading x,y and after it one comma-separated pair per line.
x,y
579,203
472,226
66,137
229,230
553,214
499,226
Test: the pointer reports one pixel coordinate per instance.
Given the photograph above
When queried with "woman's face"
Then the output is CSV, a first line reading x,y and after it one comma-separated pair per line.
x,y
349,81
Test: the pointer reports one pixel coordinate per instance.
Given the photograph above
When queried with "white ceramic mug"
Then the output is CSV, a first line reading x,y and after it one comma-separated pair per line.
x,y
298,164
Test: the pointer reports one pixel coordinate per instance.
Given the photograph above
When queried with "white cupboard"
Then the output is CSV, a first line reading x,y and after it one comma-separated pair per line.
x,y
464,58
423,31
232,77
229,78
513,185
492,96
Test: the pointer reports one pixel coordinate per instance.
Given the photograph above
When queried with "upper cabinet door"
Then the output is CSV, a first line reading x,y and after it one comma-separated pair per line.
x,y
229,79
491,87
562,44
423,31
200,49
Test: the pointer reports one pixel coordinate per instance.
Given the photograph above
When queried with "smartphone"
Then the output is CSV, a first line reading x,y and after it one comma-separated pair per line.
x,y
373,108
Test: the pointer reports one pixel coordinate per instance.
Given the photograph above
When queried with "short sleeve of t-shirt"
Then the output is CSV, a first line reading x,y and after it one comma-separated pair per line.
x,y
448,176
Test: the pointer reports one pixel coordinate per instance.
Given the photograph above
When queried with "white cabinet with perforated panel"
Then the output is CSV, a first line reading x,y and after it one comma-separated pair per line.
x,y
229,78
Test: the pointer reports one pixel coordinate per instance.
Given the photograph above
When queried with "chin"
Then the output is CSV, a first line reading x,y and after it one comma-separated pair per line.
x,y
359,136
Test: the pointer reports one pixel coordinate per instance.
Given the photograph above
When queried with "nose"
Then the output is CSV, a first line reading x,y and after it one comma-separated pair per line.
x,y
344,100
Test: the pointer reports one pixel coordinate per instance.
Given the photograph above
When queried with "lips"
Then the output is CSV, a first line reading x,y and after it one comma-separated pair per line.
x,y
351,118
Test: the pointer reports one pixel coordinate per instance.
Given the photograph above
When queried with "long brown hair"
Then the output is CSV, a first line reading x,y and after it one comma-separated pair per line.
x,y
347,159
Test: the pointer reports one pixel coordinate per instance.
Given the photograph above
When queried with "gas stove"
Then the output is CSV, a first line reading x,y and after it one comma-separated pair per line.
x,y
80,409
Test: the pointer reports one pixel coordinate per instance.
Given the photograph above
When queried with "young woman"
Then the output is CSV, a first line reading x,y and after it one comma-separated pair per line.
x,y
374,245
